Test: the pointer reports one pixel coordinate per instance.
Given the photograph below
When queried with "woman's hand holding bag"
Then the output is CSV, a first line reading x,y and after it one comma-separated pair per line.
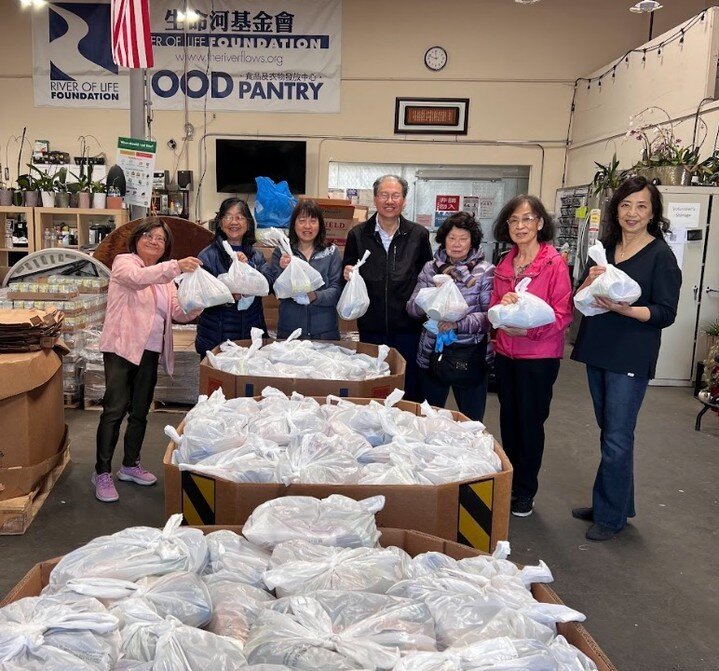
x,y
299,277
528,312
444,301
242,278
354,301
199,289
613,284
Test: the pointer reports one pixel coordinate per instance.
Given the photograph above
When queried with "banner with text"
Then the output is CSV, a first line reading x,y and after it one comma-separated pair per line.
x,y
270,56
137,159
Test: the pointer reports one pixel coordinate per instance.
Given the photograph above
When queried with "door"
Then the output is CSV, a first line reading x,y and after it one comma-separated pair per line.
x,y
687,209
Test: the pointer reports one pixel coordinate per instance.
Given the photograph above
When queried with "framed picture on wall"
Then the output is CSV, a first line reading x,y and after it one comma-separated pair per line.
x,y
431,116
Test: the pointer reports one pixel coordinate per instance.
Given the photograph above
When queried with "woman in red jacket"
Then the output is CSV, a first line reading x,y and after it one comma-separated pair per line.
x,y
527,360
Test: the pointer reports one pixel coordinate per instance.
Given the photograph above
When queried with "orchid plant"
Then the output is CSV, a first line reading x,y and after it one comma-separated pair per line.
x,y
661,146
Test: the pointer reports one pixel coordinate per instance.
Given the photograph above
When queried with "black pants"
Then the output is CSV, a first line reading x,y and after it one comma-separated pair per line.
x,y
406,344
471,401
128,389
524,389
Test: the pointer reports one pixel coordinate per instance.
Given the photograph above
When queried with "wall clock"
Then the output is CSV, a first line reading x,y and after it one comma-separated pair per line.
x,y
435,58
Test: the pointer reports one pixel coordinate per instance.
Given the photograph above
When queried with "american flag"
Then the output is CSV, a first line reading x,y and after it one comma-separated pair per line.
x,y
131,41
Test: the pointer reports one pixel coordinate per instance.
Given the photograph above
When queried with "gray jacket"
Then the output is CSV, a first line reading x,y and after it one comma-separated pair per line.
x,y
474,278
318,320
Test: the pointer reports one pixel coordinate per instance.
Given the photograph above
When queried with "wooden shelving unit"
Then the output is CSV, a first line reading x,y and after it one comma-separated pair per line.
x,y
81,219
13,212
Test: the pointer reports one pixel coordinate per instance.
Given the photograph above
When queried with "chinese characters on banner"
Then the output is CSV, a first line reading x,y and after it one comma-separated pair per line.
x,y
444,207
137,160
276,56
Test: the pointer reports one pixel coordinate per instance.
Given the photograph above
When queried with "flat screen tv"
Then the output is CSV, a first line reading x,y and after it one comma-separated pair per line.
x,y
238,162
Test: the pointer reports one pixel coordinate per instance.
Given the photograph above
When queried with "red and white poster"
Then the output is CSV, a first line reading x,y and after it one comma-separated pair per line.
x,y
447,203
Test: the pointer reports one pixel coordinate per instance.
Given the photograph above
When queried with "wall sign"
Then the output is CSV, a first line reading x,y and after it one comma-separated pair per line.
x,y
269,56
431,116
137,159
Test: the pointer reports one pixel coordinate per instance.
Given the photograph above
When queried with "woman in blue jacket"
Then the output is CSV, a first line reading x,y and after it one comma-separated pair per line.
x,y
233,321
317,317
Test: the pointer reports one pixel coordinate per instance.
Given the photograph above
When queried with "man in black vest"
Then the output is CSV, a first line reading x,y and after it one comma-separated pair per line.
x,y
398,248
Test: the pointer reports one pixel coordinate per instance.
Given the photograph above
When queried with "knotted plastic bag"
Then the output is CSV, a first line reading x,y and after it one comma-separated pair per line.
x,y
299,277
613,284
354,301
528,312
273,203
444,301
199,289
242,278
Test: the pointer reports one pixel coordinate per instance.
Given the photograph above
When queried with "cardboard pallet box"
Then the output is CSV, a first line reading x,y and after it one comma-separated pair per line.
x,y
236,386
412,542
475,512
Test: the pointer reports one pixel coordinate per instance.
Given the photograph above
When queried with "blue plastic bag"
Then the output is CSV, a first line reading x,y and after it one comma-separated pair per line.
x,y
273,204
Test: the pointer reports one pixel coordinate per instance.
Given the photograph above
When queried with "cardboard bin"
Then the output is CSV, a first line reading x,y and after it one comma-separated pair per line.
x,y
474,512
32,414
236,386
412,542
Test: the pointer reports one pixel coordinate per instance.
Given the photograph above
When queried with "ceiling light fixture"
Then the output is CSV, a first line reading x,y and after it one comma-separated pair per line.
x,y
645,6
189,16
36,4
525,2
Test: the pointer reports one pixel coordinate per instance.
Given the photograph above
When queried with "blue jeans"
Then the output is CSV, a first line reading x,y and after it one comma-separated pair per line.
x,y
617,398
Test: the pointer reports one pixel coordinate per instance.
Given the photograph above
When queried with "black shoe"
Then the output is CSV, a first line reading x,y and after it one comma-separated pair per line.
x,y
522,506
598,532
586,514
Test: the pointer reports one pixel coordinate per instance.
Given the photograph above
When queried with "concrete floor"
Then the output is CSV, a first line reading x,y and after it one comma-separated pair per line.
x,y
651,595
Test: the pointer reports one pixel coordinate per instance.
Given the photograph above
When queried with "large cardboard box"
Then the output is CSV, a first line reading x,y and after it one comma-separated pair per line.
x,y
21,480
32,414
235,386
412,542
339,218
475,512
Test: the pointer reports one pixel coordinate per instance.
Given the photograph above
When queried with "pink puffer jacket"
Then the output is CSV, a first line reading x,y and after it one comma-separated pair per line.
x,y
131,308
551,282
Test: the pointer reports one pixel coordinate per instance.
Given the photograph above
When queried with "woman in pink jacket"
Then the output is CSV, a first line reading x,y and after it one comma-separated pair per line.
x,y
141,304
527,360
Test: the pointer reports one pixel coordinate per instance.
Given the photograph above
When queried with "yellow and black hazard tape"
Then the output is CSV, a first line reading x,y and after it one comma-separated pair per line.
x,y
474,524
198,499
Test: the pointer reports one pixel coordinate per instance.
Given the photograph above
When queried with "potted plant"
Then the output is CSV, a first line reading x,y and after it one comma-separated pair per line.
x,y
98,194
6,194
46,183
27,191
63,194
114,197
707,171
663,158
81,186
608,178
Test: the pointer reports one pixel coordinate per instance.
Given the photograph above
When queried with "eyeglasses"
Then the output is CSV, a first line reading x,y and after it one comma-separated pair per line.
x,y
527,221
390,196
160,239
229,218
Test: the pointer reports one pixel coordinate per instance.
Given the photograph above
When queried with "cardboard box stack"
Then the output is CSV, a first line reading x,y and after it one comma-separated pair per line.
x,y
32,419
83,301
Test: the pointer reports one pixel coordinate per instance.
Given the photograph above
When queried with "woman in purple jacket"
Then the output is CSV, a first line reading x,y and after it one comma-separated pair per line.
x,y
464,367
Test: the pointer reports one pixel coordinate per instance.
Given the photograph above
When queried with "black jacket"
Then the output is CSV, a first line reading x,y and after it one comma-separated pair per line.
x,y
390,277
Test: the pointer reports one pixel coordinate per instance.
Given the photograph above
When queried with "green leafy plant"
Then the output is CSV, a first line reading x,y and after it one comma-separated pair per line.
x,y
608,176
97,186
707,171
27,182
43,181
712,328
81,183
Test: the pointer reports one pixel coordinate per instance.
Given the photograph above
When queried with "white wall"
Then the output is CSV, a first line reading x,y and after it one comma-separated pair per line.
x,y
677,81
516,63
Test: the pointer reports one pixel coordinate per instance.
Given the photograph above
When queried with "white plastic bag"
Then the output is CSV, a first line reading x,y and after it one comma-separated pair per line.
x,y
242,278
443,302
199,289
528,312
613,284
336,520
354,301
299,277
235,607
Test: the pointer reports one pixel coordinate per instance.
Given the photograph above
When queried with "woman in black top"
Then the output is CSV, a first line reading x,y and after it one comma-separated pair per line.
x,y
621,346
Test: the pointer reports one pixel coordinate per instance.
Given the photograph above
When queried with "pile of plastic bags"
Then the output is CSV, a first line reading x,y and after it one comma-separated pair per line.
x,y
221,601
299,358
298,440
